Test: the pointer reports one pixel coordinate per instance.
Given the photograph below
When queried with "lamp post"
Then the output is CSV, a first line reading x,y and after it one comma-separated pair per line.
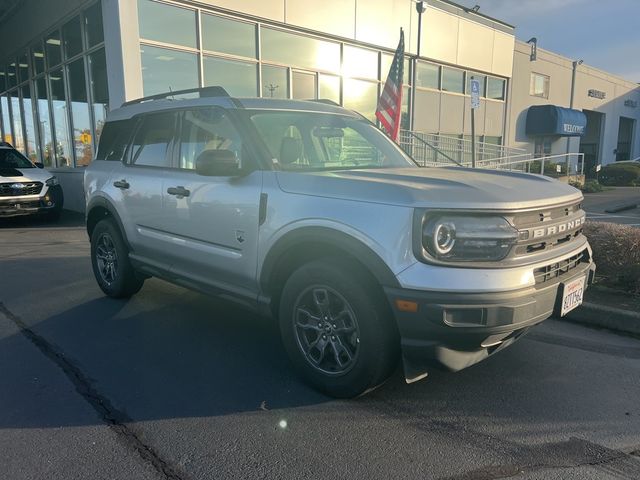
x,y
420,8
573,88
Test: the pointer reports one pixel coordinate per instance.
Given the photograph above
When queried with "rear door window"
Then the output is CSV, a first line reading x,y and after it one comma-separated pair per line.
x,y
152,141
114,140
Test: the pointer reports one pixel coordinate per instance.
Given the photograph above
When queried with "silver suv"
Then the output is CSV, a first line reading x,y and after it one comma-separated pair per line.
x,y
26,188
307,213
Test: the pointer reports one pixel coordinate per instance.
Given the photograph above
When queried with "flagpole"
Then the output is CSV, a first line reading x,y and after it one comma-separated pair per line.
x,y
420,8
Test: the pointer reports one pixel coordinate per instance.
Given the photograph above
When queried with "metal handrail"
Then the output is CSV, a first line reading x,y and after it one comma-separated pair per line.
x,y
435,149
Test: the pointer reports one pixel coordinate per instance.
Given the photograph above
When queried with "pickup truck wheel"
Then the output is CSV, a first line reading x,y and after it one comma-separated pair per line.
x,y
336,329
110,261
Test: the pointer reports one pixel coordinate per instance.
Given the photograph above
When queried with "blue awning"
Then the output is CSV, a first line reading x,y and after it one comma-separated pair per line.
x,y
552,120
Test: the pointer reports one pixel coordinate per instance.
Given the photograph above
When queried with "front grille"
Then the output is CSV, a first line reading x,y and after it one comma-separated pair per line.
x,y
28,188
558,269
544,229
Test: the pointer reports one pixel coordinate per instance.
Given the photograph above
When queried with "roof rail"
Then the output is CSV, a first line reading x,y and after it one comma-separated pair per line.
x,y
214,91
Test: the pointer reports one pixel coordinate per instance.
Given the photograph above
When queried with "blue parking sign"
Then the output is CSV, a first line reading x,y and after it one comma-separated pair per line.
x,y
475,93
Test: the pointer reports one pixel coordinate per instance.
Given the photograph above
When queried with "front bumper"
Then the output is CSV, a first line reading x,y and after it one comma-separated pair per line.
x,y
457,330
52,199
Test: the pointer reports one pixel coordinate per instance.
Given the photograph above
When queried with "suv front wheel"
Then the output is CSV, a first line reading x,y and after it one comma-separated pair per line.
x,y
110,261
336,329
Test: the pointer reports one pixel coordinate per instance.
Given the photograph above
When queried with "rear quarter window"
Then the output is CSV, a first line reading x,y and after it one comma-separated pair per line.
x,y
114,140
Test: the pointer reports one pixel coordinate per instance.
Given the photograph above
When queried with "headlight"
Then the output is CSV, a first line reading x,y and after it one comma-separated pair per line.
x,y
467,238
52,182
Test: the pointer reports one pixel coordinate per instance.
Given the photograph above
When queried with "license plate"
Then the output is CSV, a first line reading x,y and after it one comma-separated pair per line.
x,y
572,295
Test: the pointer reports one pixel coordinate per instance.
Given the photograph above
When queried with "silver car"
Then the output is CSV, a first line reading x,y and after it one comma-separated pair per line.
x,y
26,188
307,213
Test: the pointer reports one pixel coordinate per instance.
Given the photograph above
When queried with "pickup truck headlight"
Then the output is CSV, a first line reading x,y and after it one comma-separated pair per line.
x,y
51,182
458,238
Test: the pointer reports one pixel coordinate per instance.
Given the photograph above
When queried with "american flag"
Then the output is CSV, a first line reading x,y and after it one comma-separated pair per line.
x,y
390,102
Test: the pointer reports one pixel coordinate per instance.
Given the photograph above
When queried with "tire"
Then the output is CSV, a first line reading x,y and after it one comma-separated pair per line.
x,y
359,350
110,261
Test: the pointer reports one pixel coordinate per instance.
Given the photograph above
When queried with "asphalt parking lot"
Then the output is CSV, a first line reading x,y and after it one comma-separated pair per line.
x,y
596,204
171,384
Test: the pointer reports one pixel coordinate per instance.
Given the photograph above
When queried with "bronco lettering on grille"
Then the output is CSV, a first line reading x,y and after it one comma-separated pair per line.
x,y
558,228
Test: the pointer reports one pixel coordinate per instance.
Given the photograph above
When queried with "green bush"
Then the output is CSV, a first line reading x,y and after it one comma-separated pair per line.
x,y
616,251
590,186
620,174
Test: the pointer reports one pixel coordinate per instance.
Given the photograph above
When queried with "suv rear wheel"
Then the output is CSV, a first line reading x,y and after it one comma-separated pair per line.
x,y
336,329
110,261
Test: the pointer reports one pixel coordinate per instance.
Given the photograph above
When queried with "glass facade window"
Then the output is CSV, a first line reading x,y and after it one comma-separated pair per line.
x,y
53,49
300,51
385,65
18,135
164,70
539,86
72,38
481,78
12,75
80,113
6,120
361,96
238,78
303,85
329,87
99,91
61,98
274,82
93,24
228,36
37,53
452,80
63,152
46,138
360,62
23,68
495,88
31,146
167,23
427,75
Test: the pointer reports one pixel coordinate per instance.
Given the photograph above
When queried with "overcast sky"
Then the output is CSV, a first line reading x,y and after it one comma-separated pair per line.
x,y
604,33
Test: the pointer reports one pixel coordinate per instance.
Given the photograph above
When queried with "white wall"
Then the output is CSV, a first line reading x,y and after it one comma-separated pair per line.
x,y
560,69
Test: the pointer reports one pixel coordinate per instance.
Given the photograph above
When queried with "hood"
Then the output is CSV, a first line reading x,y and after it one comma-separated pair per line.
x,y
24,175
442,188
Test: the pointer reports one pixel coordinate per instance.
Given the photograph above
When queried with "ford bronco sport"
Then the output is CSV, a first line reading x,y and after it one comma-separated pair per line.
x,y
306,212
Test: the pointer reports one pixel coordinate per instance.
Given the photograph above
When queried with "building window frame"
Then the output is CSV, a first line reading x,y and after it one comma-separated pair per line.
x,y
537,90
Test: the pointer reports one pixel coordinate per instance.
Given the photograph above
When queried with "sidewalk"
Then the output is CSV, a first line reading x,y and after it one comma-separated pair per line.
x,y
607,308
617,205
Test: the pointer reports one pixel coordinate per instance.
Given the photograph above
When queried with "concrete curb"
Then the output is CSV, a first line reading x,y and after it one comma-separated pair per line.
x,y
607,317
622,208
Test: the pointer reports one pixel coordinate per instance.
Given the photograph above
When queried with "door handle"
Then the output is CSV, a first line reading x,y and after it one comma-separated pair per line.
x,y
122,184
178,191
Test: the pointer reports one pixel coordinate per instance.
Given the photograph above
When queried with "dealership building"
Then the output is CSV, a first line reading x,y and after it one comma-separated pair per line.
x,y
65,63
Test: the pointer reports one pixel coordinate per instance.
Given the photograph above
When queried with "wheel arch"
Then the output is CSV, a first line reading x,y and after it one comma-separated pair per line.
x,y
311,243
100,208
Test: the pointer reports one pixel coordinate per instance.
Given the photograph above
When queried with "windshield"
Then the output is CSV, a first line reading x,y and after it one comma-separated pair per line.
x,y
12,159
322,141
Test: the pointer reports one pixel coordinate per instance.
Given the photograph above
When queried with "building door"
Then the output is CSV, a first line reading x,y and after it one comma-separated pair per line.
x,y
625,134
591,141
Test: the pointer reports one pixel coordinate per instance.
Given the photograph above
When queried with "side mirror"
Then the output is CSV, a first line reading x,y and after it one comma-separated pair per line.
x,y
218,163
39,164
